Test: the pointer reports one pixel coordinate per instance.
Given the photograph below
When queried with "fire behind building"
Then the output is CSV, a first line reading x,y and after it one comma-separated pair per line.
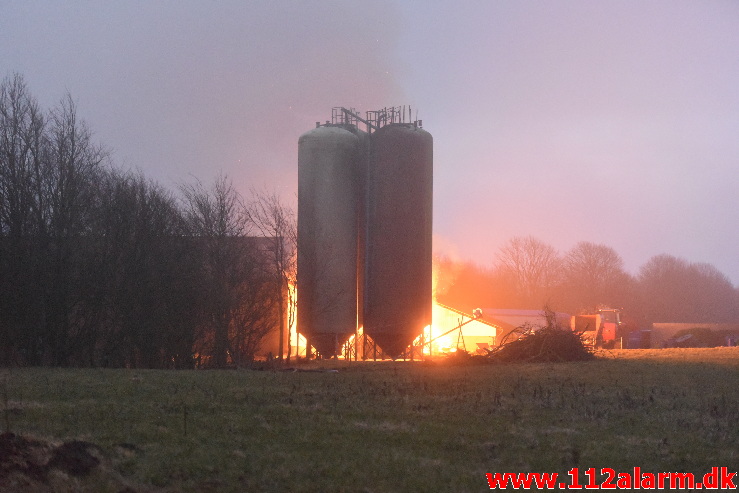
x,y
364,230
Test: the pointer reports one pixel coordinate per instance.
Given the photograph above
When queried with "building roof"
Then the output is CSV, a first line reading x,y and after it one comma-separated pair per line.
x,y
482,319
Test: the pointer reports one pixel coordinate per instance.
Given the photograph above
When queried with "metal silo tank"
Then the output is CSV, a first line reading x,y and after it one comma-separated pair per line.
x,y
363,169
329,158
398,257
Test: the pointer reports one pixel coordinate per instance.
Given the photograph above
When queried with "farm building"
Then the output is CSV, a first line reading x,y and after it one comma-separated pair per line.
x,y
693,335
487,330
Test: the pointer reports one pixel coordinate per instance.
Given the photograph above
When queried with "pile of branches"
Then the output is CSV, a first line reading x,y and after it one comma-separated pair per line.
x,y
548,344
532,344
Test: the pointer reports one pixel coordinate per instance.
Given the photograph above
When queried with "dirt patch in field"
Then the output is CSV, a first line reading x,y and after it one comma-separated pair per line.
x,y
28,464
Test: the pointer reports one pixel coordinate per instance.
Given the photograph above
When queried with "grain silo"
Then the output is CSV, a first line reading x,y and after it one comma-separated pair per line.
x,y
331,162
398,258
364,231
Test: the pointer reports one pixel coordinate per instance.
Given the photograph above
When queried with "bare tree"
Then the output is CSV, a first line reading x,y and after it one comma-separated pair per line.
x,y
255,315
22,136
217,221
47,171
238,309
275,222
73,167
145,301
532,266
593,275
675,290
21,139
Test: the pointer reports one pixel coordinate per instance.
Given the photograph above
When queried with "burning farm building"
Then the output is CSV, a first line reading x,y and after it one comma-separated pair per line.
x,y
364,230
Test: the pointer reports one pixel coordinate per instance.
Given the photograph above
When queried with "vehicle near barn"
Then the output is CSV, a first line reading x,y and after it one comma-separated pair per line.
x,y
602,329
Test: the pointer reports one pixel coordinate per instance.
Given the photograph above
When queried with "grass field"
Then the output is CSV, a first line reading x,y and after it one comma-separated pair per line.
x,y
383,426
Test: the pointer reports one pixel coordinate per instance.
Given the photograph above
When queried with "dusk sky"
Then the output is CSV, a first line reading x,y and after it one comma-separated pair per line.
x,y
615,122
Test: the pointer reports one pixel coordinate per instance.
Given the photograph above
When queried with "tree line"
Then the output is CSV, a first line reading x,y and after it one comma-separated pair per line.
x,y
529,274
103,267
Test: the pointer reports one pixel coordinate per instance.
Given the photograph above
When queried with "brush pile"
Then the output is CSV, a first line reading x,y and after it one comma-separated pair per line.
x,y
548,344
532,344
